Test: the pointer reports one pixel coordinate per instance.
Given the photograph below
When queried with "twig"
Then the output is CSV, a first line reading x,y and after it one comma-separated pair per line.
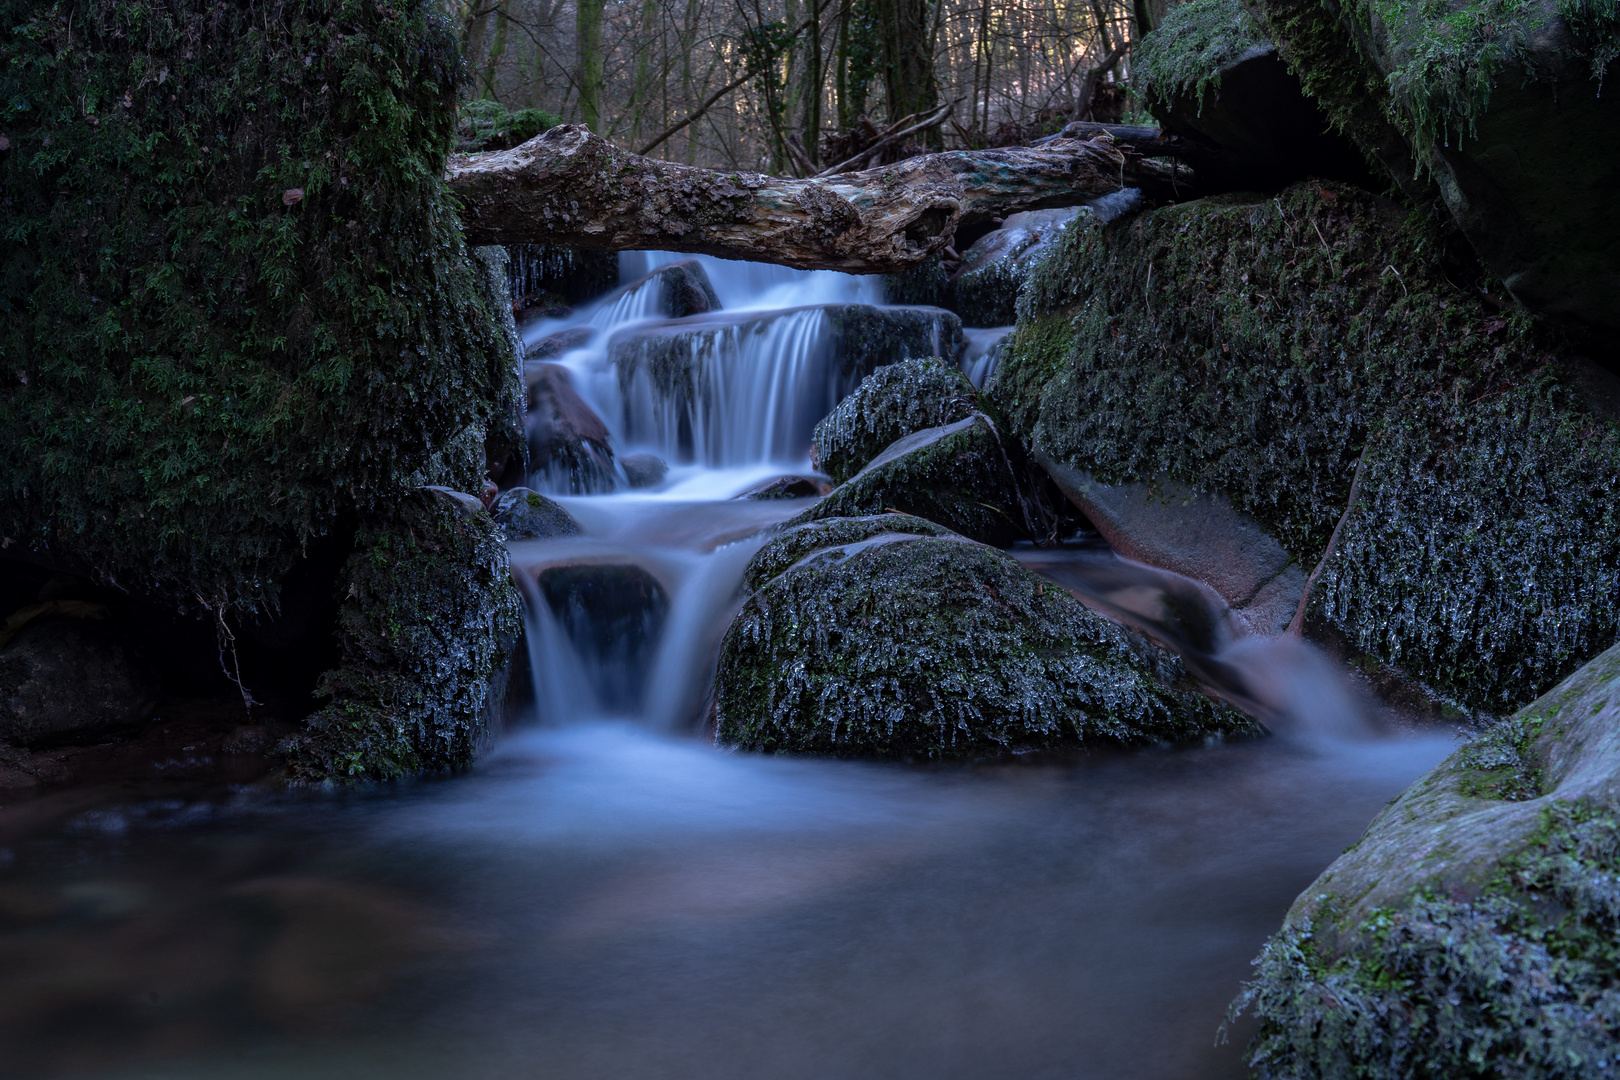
x,y
938,118
1297,626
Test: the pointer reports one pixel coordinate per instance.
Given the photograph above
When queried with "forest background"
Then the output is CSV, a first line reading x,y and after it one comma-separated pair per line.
x,y
793,87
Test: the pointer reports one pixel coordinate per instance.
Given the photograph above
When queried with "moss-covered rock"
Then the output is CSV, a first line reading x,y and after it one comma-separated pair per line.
x,y
1473,93
962,475
892,402
234,298
486,124
428,620
877,642
1474,931
1210,75
238,321
1260,348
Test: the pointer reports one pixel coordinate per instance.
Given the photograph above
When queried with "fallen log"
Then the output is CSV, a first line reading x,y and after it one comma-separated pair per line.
x,y
570,188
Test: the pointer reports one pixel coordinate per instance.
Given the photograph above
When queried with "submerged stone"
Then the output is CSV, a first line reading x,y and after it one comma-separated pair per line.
x,y
1475,929
786,487
523,514
1265,351
864,639
68,679
554,345
613,615
892,402
644,470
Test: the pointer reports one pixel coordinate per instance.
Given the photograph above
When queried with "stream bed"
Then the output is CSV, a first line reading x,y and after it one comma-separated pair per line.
x,y
607,894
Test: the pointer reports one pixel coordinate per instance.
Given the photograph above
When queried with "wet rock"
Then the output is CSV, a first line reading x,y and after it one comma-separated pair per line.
x,y
1201,536
524,514
985,288
673,291
613,614
983,353
787,487
554,345
892,402
63,680
569,445
460,501
644,470
570,275
1267,363
1210,75
1491,106
960,475
879,642
1476,921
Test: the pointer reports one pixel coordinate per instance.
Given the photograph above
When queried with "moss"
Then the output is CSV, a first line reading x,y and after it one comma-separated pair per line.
x,y
1522,981
926,284
798,541
934,647
428,619
1259,348
234,299
960,475
1183,57
894,401
488,125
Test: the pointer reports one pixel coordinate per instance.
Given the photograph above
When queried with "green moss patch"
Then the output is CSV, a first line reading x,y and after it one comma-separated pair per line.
x,y
1183,57
892,402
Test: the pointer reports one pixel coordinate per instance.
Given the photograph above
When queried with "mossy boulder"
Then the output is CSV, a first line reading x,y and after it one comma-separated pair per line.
x,y
892,402
1209,74
428,621
238,321
1474,931
963,475
1264,349
65,679
863,639
1497,107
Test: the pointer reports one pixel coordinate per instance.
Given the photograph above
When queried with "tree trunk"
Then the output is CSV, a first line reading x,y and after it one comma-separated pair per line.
x,y
570,188
588,28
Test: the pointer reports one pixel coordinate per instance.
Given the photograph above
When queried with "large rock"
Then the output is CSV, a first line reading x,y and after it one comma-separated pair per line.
x,y
570,449
1209,74
1261,350
66,680
672,291
613,615
1503,107
879,642
1475,929
892,402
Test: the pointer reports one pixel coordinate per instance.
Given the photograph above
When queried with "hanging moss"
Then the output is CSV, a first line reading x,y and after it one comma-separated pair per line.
x,y
1258,348
1184,55
234,299
428,619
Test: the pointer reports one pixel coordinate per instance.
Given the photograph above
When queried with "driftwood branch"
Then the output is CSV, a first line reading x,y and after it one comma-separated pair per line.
x,y
570,188
891,137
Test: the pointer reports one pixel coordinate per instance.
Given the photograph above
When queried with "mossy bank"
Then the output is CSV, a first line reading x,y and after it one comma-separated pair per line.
x,y
237,315
1265,349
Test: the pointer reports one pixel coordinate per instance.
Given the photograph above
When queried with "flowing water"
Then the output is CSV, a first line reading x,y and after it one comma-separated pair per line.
x,y
608,895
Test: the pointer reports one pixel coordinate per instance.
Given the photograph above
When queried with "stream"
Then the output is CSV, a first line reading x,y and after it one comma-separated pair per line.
x,y
609,895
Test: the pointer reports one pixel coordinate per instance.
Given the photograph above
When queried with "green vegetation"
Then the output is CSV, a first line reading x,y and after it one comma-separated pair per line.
x,y
489,125
1183,58
1260,347
428,620
892,402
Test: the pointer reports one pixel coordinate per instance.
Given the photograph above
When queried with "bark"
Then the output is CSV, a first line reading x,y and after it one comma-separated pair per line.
x,y
588,38
570,188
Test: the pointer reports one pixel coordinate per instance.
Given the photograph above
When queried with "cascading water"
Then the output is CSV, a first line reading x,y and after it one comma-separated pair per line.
x,y
607,896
